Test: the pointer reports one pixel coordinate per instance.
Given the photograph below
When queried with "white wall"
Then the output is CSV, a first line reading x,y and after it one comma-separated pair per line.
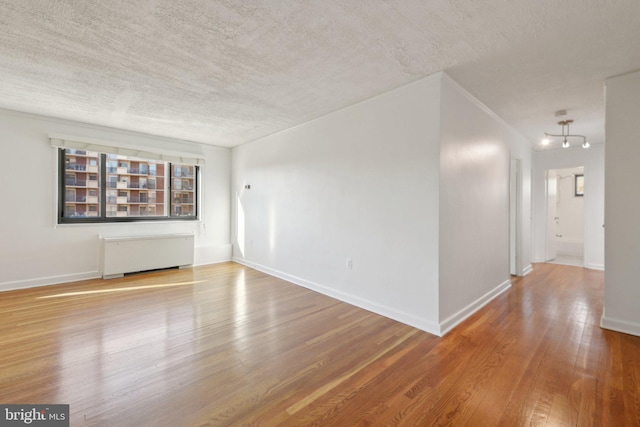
x,y
360,183
35,250
593,161
476,150
367,183
622,205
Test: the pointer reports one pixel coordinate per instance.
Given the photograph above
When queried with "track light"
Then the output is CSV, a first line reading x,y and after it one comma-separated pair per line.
x,y
565,135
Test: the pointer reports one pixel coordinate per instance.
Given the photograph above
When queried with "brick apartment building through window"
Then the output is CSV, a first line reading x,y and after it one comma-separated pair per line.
x,y
100,187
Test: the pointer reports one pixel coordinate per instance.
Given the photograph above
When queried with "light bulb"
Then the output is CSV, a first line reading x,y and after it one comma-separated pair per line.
x,y
546,140
565,144
586,144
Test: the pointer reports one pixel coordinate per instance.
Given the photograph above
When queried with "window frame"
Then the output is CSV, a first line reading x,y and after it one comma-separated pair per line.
x,y
102,195
576,192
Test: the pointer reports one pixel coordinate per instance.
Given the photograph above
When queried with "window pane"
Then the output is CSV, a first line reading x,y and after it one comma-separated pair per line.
x,y
100,187
183,190
81,184
129,180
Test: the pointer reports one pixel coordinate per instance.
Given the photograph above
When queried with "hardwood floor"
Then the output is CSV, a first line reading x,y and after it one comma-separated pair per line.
x,y
227,345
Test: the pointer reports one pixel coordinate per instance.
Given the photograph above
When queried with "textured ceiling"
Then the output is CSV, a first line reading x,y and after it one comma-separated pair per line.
x,y
227,72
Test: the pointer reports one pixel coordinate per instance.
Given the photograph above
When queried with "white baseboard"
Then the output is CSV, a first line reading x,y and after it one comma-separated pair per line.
x,y
205,255
528,269
594,266
357,301
51,280
618,325
569,253
454,320
571,248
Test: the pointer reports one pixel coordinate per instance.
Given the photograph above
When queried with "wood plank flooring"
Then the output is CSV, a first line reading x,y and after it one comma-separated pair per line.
x,y
227,345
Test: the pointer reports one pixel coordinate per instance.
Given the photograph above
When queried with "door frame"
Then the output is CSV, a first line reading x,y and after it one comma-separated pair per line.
x,y
547,223
515,220
546,207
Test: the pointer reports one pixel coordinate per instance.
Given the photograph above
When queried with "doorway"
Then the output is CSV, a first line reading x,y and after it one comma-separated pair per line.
x,y
565,216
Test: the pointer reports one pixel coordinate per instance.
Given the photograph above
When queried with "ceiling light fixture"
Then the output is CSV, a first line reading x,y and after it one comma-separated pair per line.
x,y
565,135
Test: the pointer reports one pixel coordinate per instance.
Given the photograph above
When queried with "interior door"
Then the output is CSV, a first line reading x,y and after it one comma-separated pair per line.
x,y
552,218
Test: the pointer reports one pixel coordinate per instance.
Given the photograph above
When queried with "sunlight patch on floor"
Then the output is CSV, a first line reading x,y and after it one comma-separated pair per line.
x,y
131,288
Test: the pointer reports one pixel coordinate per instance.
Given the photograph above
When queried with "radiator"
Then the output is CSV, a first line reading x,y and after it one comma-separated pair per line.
x,y
139,253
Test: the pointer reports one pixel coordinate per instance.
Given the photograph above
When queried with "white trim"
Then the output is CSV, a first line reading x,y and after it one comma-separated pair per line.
x,y
480,104
374,307
214,254
51,280
210,262
135,237
427,79
528,269
618,325
222,254
594,266
457,318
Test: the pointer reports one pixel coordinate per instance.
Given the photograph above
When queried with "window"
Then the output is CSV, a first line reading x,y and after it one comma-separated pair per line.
x,y
183,191
112,166
579,185
99,187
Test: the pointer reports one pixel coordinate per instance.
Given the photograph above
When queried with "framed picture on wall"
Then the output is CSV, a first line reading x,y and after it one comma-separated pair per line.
x,y
579,185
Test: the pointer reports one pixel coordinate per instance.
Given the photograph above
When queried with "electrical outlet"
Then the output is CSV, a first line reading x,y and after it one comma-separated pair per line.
x,y
349,264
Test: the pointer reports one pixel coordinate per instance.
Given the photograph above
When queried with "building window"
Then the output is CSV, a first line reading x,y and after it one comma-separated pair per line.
x,y
98,187
579,186
183,192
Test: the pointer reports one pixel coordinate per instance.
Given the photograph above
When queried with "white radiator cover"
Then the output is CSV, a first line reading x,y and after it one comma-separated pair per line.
x,y
127,254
